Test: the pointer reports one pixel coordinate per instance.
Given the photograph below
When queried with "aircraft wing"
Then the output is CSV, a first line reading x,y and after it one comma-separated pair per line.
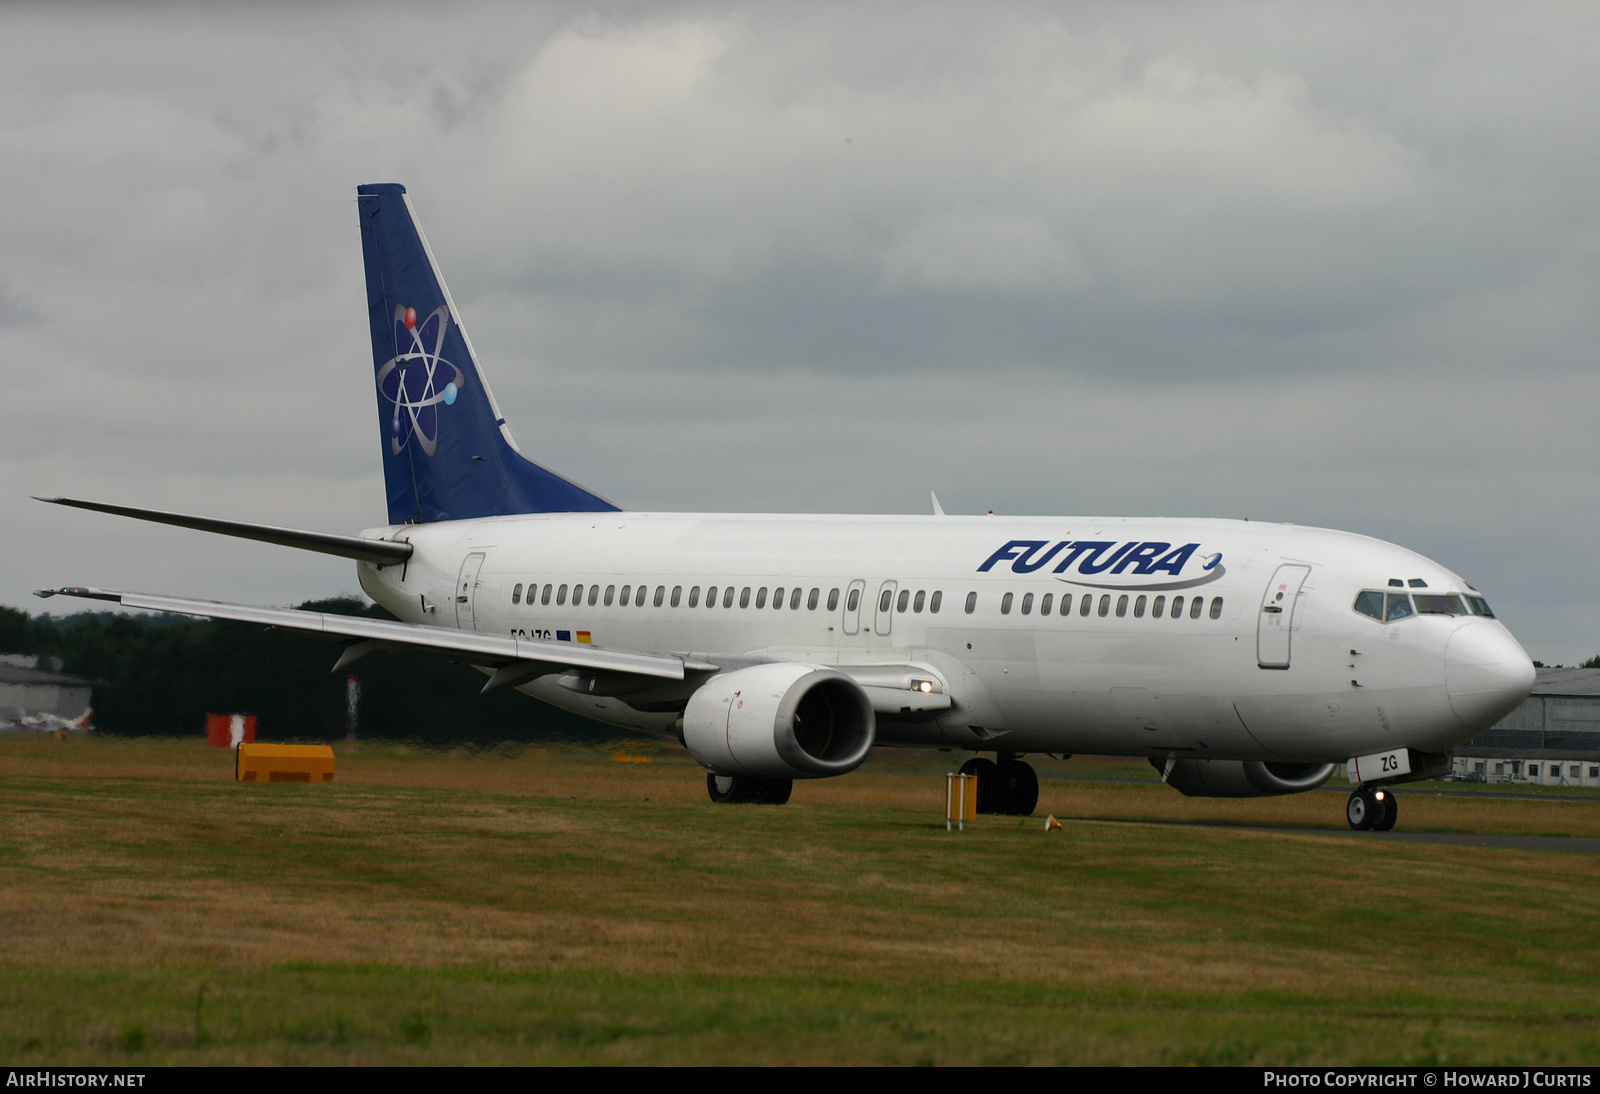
x,y
516,660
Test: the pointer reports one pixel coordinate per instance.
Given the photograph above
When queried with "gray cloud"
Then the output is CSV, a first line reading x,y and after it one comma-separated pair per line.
x,y
1334,265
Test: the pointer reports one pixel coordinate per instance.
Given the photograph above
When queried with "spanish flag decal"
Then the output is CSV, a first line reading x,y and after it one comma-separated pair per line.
x,y
583,636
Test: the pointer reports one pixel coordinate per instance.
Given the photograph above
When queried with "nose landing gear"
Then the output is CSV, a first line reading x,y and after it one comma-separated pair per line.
x,y
1372,807
1008,788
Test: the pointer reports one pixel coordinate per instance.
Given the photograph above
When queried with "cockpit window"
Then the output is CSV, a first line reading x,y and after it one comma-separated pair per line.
x,y
1388,607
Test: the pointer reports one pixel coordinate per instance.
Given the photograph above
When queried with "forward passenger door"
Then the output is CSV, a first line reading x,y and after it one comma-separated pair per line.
x,y
1276,622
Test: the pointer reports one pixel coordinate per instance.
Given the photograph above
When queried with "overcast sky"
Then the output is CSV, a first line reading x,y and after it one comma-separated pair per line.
x,y
1335,265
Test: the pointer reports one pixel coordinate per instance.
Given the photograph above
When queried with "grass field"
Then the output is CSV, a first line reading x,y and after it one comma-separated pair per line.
x,y
555,906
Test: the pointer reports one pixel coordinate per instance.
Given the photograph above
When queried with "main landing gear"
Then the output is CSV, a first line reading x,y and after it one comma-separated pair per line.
x,y
1009,788
1372,807
743,788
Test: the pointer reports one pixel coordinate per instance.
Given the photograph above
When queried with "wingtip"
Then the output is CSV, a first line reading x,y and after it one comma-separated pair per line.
x,y
80,590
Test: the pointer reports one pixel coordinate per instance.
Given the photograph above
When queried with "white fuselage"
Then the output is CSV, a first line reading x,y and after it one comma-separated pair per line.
x,y
1276,665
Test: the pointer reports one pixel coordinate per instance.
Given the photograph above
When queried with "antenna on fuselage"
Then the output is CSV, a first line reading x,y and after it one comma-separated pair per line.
x,y
938,510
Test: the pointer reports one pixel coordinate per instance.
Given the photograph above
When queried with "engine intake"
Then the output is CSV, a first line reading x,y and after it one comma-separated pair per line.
x,y
779,721
1243,778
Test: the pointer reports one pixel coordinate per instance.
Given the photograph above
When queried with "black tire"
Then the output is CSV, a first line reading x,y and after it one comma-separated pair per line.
x,y
1362,810
988,772
742,789
1391,812
1019,789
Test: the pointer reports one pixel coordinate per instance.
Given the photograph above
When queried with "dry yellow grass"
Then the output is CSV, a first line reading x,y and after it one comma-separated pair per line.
x,y
552,862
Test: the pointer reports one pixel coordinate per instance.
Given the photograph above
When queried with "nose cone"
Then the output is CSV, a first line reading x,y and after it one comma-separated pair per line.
x,y
1487,673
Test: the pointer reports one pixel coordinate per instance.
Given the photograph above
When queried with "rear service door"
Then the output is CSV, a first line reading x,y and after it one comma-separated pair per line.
x,y
1277,616
467,591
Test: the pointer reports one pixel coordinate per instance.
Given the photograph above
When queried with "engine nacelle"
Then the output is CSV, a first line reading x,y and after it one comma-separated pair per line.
x,y
1243,778
779,721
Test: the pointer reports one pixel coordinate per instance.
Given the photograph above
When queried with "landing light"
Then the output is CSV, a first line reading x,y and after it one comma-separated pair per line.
x,y
924,686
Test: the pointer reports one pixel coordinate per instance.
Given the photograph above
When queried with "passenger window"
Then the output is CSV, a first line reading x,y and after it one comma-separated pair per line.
x,y
561,596
577,595
676,589
627,594
883,601
972,603
516,594
1005,604
904,601
694,596
1045,602
594,594
1196,605
638,598
919,601
1122,605
744,597
1105,605
761,597
1177,607
661,591
1439,604
1027,603
811,601
833,600
1138,608
727,597
611,594
1216,607
777,597
794,599
854,600
1086,605
711,597
1398,606
1156,607
1371,604
1066,603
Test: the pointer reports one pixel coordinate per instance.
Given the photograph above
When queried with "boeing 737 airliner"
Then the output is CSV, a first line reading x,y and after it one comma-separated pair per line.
x,y
1242,659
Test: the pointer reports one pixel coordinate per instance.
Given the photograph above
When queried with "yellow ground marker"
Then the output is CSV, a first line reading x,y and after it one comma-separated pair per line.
x,y
260,763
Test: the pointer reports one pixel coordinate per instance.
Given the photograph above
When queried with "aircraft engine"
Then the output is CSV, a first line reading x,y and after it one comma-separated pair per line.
x,y
779,721
1243,778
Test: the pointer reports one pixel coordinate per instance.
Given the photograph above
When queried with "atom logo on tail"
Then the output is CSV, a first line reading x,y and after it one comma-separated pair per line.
x,y
416,381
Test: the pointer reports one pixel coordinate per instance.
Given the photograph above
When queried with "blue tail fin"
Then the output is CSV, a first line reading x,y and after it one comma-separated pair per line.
x,y
446,452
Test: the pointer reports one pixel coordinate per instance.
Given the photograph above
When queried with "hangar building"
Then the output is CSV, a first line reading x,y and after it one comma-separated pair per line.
x,y
1552,739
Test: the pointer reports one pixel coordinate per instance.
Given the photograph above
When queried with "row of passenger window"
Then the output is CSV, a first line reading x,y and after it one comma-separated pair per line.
x,y
1086,605
1387,607
908,600
637,596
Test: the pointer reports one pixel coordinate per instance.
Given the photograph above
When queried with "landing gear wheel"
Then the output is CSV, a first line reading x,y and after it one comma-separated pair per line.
x,y
747,790
1391,812
988,773
1363,810
1019,789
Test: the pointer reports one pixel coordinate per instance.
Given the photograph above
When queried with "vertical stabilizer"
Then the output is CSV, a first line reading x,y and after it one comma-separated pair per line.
x,y
447,454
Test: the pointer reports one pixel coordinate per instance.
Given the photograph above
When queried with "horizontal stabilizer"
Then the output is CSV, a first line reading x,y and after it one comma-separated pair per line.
x,y
381,551
488,650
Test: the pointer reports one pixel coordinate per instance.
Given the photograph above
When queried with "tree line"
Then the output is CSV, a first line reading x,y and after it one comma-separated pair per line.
x,y
161,674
